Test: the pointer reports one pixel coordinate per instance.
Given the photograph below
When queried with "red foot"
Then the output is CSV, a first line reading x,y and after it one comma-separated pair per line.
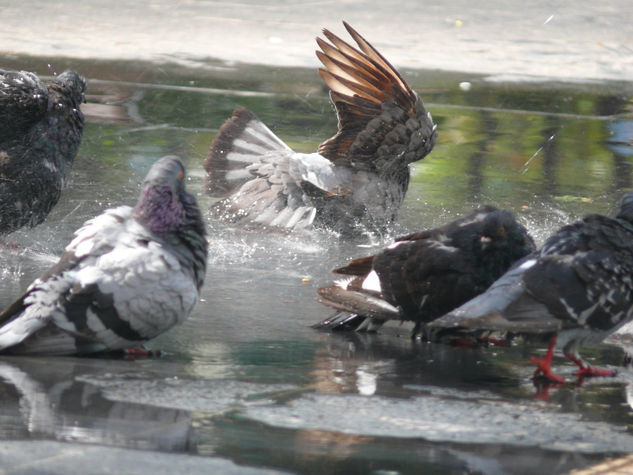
x,y
140,352
586,370
544,364
492,341
463,342
589,371
9,246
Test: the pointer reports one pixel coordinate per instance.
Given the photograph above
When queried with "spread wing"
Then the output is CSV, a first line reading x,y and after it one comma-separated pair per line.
x,y
380,116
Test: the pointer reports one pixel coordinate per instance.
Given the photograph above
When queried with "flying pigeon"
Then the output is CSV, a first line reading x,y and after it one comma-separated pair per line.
x,y
127,276
40,131
356,181
575,290
424,275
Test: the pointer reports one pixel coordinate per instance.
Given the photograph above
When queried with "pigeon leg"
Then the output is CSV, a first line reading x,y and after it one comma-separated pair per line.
x,y
417,330
586,370
544,364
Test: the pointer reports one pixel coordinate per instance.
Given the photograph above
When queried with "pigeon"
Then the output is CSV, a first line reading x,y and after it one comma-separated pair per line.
x,y
575,290
424,275
128,275
41,125
356,181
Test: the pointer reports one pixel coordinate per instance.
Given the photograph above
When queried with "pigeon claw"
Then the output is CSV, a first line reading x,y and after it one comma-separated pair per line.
x,y
590,371
586,370
544,368
544,365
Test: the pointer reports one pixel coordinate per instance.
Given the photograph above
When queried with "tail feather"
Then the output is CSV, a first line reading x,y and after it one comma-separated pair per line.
x,y
18,329
341,321
242,141
360,302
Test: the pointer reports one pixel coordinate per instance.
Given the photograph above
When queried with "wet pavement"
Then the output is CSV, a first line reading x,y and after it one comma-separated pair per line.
x,y
245,385
510,39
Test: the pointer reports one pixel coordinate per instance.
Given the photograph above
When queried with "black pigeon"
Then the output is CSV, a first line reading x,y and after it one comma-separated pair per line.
x,y
356,181
127,276
576,290
424,275
41,126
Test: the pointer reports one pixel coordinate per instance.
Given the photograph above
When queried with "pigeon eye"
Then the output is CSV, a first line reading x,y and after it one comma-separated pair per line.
x,y
181,175
501,231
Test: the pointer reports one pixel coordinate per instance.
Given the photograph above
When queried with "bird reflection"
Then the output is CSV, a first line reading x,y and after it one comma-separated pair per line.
x,y
42,398
394,365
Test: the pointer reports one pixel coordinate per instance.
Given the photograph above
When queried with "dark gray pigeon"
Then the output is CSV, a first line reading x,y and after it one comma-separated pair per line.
x,y
355,181
424,275
127,276
41,126
575,290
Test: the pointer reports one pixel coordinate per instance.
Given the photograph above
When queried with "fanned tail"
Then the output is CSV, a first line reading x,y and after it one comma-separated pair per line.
x,y
250,168
243,141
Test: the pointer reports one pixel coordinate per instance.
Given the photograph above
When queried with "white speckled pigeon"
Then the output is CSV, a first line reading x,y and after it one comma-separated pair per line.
x,y
356,181
40,131
577,289
424,275
127,276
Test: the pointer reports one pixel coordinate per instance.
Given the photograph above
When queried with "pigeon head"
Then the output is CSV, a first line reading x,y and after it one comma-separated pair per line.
x,y
626,208
72,85
164,205
501,233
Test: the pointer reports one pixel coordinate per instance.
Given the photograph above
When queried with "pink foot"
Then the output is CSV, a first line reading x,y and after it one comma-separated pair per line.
x,y
544,365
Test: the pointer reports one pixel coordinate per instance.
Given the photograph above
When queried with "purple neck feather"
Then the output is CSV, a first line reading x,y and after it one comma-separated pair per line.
x,y
158,210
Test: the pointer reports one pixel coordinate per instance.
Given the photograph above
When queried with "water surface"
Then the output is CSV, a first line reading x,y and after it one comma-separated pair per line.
x,y
245,381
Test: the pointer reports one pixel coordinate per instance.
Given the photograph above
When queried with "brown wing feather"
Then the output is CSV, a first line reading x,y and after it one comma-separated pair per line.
x,y
362,83
370,51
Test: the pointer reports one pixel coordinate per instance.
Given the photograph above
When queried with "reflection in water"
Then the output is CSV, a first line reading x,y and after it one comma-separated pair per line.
x,y
378,374
52,403
397,366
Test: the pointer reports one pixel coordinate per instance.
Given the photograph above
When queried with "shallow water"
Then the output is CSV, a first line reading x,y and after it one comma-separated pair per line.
x,y
246,380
